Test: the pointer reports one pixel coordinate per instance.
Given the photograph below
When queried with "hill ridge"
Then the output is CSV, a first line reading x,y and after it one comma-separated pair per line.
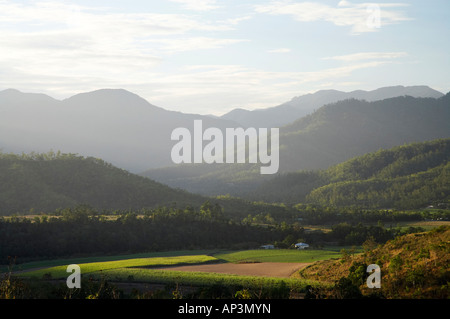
x,y
412,266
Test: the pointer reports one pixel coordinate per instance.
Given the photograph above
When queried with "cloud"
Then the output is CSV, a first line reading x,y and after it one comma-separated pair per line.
x,y
239,86
66,45
364,17
192,43
368,56
63,49
198,5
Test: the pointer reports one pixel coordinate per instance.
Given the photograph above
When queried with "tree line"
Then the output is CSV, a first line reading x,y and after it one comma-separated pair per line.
x,y
82,231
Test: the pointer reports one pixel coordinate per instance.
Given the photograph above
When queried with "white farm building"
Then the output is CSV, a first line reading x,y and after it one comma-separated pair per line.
x,y
301,246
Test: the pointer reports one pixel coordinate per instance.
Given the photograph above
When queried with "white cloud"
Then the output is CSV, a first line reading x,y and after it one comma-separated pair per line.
x,y
192,43
239,86
368,56
64,45
357,16
198,5
62,49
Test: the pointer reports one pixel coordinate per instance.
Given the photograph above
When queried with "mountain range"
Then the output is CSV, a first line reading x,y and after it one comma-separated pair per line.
x,y
112,124
127,131
334,133
303,105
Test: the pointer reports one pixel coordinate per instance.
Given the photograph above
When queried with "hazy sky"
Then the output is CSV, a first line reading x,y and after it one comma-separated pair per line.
x,y
210,56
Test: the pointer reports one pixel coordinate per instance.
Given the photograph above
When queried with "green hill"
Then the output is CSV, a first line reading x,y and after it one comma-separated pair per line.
x,y
333,134
340,131
46,182
409,176
412,266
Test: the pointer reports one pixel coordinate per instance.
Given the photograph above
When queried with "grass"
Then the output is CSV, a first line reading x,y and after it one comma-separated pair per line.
x,y
201,278
427,225
280,255
57,268
126,264
141,267
83,260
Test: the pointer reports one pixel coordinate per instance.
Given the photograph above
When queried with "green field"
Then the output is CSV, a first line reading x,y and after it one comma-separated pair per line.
x,y
202,279
64,262
58,272
280,255
141,268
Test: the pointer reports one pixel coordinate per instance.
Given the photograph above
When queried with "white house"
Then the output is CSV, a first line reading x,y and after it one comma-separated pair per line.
x,y
301,246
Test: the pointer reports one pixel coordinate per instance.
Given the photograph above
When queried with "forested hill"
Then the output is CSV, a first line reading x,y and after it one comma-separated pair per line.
x,y
340,131
303,105
412,266
45,182
409,176
333,134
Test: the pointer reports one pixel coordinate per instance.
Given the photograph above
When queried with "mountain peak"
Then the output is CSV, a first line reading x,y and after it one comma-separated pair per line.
x,y
14,95
104,93
302,105
10,91
109,98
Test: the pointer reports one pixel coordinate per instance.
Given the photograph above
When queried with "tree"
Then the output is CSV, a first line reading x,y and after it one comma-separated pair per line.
x,y
345,289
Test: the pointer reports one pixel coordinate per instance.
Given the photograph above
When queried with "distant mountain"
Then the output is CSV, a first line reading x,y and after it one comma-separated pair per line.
x,y
339,131
45,182
306,104
115,125
409,176
124,129
331,135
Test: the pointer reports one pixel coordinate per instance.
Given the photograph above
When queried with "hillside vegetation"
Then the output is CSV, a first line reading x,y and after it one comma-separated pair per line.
x,y
409,176
412,266
37,183
331,135
300,106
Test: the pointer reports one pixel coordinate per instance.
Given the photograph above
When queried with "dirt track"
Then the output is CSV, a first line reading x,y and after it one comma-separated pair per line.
x,y
266,269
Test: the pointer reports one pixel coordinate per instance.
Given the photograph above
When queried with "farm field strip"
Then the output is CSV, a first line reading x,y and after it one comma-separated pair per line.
x,y
266,269
192,278
251,268
60,271
84,260
278,255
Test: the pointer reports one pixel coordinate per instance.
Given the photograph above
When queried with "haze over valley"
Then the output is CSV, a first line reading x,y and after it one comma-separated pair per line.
x,y
127,131
225,150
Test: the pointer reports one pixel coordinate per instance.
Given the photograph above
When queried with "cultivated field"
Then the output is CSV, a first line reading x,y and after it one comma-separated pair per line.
x,y
265,269
252,268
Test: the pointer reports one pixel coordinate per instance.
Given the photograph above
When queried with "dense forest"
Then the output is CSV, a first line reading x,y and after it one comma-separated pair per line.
x,y
405,177
35,183
83,231
333,134
42,183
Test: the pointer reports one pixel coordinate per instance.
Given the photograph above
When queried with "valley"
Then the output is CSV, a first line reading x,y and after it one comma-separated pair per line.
x,y
355,177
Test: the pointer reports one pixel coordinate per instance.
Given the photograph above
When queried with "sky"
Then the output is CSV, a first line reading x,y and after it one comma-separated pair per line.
x,y
212,56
